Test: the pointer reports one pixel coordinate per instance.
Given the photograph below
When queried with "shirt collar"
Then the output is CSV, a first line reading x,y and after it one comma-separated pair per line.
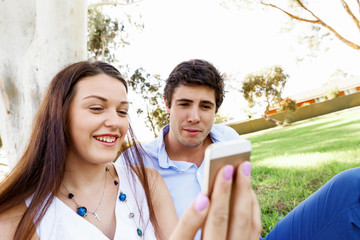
x,y
163,158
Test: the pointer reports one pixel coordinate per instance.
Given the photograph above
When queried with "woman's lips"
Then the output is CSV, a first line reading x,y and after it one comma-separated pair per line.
x,y
107,140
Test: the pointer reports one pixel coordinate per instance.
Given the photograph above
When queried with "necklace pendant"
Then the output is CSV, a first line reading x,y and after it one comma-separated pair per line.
x,y
139,232
96,216
122,197
81,211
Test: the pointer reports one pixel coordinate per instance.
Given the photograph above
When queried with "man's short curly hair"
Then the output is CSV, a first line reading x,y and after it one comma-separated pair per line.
x,y
195,72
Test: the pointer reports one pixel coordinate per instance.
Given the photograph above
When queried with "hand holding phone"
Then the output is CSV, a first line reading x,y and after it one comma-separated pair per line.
x,y
220,154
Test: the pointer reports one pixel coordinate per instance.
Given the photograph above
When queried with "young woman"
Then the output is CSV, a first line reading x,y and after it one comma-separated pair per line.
x,y
65,185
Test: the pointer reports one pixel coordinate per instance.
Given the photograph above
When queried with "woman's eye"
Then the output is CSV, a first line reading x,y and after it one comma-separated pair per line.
x,y
96,109
122,113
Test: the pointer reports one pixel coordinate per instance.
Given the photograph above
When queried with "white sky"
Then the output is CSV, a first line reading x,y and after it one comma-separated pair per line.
x,y
236,41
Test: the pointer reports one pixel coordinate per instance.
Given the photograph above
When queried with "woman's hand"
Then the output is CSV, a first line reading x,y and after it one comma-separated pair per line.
x,y
226,216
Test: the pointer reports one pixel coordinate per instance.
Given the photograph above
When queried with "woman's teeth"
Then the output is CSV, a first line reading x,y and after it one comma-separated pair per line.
x,y
106,139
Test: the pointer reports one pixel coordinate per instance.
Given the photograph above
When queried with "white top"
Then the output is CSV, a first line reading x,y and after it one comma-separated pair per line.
x,y
62,222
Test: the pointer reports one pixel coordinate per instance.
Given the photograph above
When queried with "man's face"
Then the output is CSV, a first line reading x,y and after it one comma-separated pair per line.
x,y
192,114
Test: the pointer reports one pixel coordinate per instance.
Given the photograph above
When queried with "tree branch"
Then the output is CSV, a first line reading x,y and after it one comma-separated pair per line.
x,y
317,21
347,42
289,14
5,96
150,121
276,122
348,10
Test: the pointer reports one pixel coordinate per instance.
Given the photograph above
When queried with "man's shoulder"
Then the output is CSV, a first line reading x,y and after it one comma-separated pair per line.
x,y
155,144
222,132
223,127
152,146
152,152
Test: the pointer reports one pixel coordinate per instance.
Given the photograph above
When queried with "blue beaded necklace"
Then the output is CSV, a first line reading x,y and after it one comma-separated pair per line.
x,y
82,210
122,198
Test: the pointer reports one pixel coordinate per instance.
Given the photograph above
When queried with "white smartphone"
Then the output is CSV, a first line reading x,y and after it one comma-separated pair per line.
x,y
220,154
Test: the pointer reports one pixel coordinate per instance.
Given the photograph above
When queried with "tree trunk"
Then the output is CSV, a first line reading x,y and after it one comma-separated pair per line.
x,y
38,38
267,118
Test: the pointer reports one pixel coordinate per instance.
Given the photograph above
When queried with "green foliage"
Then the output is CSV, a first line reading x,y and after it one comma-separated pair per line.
x,y
220,118
332,93
313,37
289,164
148,86
103,36
264,87
288,104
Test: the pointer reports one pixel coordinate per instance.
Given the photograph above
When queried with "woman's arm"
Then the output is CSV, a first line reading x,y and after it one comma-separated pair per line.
x,y
163,205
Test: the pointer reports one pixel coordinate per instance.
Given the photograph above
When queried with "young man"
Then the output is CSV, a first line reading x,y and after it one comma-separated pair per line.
x,y
193,94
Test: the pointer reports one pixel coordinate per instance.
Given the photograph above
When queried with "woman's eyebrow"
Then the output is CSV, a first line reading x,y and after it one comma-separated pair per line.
x,y
104,99
96,96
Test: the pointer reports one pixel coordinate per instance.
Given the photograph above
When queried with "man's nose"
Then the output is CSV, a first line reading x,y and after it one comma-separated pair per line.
x,y
194,115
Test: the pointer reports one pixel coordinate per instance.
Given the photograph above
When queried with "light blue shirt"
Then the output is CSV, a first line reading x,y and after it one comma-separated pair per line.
x,y
183,179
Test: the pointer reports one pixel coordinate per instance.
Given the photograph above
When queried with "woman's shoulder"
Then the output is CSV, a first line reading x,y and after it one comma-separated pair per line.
x,y
10,219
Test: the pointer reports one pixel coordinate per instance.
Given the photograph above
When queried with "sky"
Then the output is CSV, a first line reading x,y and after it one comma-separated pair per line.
x,y
237,41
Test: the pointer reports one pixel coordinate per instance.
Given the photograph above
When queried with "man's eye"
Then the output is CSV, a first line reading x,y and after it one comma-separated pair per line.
x,y
206,106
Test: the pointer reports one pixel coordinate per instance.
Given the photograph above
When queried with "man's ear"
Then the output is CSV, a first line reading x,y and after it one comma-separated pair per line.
x,y
167,105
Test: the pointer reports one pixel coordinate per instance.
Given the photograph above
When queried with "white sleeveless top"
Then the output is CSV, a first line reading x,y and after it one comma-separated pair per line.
x,y
62,222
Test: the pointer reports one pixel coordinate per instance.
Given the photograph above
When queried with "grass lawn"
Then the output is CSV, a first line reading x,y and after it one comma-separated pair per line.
x,y
290,163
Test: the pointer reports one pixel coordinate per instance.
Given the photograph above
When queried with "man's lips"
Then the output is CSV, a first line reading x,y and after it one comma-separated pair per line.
x,y
192,131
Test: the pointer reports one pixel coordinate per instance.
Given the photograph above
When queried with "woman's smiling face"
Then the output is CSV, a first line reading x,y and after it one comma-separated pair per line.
x,y
97,119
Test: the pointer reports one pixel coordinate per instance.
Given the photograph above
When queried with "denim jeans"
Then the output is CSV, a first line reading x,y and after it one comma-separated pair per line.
x,y
332,212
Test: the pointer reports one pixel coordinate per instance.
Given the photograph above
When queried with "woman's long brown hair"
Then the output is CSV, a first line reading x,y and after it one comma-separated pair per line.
x,y
40,170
